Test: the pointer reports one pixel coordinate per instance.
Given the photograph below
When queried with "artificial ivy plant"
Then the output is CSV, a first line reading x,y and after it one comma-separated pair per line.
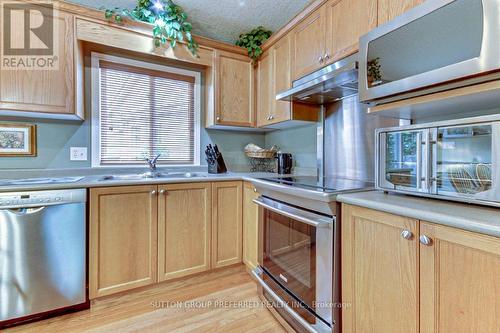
x,y
169,21
253,40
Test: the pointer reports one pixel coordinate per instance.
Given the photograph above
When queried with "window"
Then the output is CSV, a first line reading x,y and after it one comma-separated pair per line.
x,y
140,110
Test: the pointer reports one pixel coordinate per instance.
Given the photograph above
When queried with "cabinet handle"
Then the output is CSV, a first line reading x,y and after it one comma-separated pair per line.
x,y
326,57
407,234
162,192
255,190
424,240
271,117
153,192
321,59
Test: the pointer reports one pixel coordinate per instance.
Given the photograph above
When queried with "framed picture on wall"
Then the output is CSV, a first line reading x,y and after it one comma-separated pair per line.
x,y
17,140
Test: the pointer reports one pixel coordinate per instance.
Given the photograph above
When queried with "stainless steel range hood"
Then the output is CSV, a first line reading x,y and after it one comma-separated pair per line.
x,y
331,83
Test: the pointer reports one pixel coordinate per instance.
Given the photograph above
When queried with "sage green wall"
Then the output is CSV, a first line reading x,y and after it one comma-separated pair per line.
x,y
300,141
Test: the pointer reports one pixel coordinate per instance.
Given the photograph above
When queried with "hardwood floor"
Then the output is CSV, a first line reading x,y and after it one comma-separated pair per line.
x,y
221,301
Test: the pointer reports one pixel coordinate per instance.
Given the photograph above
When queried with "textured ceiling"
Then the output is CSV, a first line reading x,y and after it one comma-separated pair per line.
x,y
224,20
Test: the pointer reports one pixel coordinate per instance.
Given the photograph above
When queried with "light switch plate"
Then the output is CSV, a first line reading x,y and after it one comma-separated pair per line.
x,y
78,153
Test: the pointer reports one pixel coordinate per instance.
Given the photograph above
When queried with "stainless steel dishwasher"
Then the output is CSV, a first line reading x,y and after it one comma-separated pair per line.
x,y
42,253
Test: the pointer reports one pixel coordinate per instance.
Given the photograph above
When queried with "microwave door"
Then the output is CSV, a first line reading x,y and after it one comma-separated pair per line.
x,y
467,159
404,161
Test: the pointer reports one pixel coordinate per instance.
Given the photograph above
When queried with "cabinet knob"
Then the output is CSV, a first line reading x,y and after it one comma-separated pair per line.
x,y
424,240
218,118
320,59
255,190
407,234
153,192
326,57
163,192
271,117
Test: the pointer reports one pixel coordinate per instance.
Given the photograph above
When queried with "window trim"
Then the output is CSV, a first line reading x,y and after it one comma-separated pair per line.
x,y
96,106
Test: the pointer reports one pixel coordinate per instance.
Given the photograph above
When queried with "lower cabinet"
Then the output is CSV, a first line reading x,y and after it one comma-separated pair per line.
x,y
184,217
226,223
404,275
379,272
123,236
141,235
250,225
460,281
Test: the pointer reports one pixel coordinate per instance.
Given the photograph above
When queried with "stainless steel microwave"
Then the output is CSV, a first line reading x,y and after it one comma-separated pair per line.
x,y
454,160
436,46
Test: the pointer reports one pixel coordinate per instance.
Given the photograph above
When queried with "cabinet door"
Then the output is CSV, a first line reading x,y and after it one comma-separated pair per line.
x,y
123,236
235,81
184,215
389,9
379,272
250,225
347,21
282,78
265,89
226,223
46,91
460,281
308,39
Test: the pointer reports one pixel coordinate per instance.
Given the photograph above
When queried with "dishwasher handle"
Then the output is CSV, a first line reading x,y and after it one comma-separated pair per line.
x,y
26,211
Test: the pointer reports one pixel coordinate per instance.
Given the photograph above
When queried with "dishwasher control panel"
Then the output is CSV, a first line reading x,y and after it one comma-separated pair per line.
x,y
41,198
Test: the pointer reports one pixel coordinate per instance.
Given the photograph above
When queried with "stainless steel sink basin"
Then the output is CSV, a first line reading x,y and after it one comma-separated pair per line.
x,y
185,175
36,181
156,176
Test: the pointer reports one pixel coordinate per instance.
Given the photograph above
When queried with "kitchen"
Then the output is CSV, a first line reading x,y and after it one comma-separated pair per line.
x,y
335,174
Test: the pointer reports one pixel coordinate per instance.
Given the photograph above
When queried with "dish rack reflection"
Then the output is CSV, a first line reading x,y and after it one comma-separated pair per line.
x,y
262,164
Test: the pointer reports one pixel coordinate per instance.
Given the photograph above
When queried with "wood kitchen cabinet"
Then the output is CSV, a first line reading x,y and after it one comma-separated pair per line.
x,y
234,90
264,90
347,21
309,44
123,239
459,281
227,200
432,279
274,76
389,9
184,221
379,272
250,225
49,93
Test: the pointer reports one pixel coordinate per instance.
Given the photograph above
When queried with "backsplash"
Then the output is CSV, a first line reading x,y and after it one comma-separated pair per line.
x,y
300,141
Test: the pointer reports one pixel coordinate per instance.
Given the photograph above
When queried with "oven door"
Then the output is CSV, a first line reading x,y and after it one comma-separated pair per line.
x,y
298,257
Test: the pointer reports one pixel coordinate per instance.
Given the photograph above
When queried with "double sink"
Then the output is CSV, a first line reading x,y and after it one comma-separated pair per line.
x,y
153,176
119,177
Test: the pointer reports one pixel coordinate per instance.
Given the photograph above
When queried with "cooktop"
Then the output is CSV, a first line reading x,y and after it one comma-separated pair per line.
x,y
321,184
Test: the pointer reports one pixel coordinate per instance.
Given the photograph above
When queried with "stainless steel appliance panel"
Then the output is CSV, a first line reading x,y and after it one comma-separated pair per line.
x,y
349,140
42,252
299,258
435,43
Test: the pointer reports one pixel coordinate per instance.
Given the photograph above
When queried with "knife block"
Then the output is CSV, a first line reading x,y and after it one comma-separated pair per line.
x,y
219,166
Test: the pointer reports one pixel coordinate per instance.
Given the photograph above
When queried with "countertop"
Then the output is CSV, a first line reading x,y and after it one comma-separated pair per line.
x,y
484,220
96,181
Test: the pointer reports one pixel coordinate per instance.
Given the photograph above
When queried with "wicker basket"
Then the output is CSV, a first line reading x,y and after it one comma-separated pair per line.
x,y
261,153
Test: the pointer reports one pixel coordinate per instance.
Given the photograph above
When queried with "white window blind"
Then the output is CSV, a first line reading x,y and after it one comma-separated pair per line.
x,y
144,112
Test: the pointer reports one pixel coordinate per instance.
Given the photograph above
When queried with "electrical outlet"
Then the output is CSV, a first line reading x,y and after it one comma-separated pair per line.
x,y
78,153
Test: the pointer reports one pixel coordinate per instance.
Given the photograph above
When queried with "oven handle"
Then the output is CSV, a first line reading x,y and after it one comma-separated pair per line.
x,y
283,305
294,213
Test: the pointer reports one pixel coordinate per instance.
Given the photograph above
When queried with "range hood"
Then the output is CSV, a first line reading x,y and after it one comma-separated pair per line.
x,y
329,84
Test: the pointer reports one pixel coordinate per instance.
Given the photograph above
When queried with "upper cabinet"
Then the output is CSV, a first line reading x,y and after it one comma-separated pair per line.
x,y
234,90
389,9
274,76
309,44
347,20
46,93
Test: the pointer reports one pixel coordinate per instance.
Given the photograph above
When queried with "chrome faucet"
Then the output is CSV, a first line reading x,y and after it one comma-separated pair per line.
x,y
152,165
